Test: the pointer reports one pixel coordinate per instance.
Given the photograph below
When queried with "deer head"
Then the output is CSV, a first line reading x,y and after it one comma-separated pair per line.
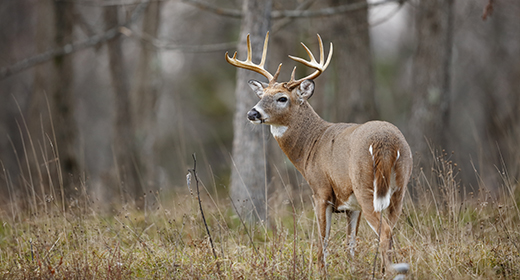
x,y
278,99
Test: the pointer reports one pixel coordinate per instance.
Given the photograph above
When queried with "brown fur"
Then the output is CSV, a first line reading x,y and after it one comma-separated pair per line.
x,y
385,155
335,160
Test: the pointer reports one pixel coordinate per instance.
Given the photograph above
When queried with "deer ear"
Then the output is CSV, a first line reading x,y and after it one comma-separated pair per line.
x,y
305,90
258,87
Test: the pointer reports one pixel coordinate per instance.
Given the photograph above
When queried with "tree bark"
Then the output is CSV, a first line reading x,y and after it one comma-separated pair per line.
x,y
431,75
127,159
63,99
355,94
145,95
501,98
54,83
250,169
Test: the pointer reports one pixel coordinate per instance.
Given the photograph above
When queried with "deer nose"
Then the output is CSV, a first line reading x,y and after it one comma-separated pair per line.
x,y
253,115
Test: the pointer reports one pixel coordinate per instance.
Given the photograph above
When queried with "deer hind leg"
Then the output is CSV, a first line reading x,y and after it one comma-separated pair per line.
x,y
395,208
380,226
352,228
324,214
396,201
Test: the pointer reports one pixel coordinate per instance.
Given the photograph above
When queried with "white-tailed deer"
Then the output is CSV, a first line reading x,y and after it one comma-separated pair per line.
x,y
351,168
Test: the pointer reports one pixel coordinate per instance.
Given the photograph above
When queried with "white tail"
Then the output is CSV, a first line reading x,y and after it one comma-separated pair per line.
x,y
350,167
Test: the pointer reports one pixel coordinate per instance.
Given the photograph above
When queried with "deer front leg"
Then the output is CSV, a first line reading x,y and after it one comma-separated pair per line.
x,y
324,213
352,228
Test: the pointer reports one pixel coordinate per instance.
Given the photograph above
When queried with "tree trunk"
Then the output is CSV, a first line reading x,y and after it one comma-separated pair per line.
x,y
127,159
431,75
250,170
501,98
54,82
63,99
144,97
355,95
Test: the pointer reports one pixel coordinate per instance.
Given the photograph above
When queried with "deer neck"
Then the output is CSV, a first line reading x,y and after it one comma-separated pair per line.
x,y
297,139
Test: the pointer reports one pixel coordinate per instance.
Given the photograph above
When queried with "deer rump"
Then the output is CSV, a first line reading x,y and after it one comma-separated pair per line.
x,y
367,163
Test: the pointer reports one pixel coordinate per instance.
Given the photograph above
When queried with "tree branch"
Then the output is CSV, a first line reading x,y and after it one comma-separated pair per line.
x,y
105,3
30,62
165,45
330,11
214,8
282,23
289,17
292,13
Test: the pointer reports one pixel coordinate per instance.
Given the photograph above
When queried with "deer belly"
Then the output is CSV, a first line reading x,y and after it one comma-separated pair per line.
x,y
351,204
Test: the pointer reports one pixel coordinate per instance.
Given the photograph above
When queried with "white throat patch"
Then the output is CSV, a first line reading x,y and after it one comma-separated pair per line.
x,y
278,130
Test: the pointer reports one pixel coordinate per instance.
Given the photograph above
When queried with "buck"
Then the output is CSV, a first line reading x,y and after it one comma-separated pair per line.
x,y
351,168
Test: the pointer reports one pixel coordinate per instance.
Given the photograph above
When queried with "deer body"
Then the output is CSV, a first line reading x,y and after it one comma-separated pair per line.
x,y
351,168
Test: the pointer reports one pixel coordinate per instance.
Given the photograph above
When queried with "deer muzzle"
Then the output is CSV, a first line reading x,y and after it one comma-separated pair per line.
x,y
254,116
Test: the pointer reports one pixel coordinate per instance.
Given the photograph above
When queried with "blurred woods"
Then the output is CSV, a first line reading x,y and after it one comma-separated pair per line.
x,y
109,99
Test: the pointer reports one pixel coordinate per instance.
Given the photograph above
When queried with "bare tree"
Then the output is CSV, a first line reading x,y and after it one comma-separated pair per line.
x,y
431,74
54,127
249,172
500,95
355,95
127,158
63,99
144,95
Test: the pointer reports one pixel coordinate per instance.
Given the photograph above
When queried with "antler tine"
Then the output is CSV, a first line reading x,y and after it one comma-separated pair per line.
x,y
275,77
248,63
328,57
249,50
322,53
303,61
264,51
312,63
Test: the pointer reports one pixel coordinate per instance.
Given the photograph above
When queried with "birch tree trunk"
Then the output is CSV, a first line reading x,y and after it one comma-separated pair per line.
x,y
250,170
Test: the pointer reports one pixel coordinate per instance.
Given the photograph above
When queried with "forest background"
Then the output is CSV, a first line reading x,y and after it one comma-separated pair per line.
x,y
113,97
106,104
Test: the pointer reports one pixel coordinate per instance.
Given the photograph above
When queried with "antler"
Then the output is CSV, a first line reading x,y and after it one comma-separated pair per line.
x,y
320,67
249,65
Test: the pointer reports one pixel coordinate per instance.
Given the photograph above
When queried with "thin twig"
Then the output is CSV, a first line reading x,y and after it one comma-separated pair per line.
x,y
72,47
284,22
214,8
105,3
194,172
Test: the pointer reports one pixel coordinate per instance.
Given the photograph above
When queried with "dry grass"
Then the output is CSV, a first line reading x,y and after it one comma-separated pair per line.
x,y
444,233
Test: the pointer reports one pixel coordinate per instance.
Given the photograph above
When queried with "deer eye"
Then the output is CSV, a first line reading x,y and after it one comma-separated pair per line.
x,y
282,99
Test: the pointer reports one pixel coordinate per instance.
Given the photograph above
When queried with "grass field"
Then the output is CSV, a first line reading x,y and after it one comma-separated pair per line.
x,y
445,232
